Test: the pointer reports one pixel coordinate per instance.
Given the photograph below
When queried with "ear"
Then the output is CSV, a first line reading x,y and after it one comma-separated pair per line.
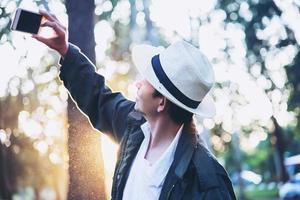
x,y
162,104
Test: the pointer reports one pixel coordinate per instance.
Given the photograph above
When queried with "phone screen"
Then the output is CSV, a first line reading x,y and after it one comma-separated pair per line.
x,y
29,22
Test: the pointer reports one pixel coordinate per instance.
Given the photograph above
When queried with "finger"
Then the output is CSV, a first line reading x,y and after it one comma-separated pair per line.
x,y
48,16
41,39
57,22
59,30
52,15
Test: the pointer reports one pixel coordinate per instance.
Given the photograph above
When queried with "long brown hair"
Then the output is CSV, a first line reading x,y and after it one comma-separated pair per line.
x,y
179,115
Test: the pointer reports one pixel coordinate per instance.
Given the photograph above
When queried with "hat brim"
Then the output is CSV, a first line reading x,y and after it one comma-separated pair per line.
x,y
141,57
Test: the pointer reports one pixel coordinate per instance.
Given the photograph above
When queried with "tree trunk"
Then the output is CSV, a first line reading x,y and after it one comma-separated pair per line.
x,y
5,186
5,189
238,162
151,34
86,163
280,148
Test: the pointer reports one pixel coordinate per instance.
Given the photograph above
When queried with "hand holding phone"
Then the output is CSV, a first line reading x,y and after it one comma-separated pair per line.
x,y
26,21
30,22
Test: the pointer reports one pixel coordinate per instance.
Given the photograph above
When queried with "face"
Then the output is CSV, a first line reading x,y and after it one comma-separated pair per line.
x,y
145,102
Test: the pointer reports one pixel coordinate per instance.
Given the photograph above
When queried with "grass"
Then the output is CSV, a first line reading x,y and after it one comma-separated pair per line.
x,y
257,193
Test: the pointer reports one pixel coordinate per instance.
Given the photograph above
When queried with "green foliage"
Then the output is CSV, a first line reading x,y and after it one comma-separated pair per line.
x,y
259,193
293,72
254,17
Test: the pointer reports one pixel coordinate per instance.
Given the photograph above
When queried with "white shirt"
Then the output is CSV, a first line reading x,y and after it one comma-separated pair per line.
x,y
145,180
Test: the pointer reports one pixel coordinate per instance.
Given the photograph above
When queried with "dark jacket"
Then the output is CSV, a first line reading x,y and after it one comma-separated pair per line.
x,y
194,173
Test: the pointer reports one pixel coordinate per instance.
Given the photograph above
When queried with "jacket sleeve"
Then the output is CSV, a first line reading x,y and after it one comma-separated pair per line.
x,y
107,111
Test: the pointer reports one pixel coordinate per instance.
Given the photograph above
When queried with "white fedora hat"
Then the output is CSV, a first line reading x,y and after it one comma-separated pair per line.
x,y
181,73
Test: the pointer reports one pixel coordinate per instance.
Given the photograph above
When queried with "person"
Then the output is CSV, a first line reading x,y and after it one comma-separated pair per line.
x,y
161,155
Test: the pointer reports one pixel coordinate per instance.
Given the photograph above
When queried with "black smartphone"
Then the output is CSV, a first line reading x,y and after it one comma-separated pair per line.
x,y
26,21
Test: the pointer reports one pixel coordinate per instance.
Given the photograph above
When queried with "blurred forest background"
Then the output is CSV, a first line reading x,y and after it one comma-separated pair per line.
x,y
48,149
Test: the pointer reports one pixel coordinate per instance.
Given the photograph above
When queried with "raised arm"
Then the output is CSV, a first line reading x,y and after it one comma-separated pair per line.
x,y
107,111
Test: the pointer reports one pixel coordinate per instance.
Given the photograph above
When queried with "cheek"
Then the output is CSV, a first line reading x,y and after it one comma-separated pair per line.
x,y
144,94
146,101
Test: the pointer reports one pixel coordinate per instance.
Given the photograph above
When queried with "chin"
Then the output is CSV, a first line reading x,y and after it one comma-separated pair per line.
x,y
136,108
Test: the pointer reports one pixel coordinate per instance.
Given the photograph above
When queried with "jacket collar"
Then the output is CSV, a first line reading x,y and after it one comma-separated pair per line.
x,y
190,150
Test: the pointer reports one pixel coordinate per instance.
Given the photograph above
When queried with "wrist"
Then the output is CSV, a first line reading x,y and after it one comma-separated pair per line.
x,y
64,50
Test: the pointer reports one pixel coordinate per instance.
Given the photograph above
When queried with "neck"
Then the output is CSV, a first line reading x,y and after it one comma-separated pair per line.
x,y
163,131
